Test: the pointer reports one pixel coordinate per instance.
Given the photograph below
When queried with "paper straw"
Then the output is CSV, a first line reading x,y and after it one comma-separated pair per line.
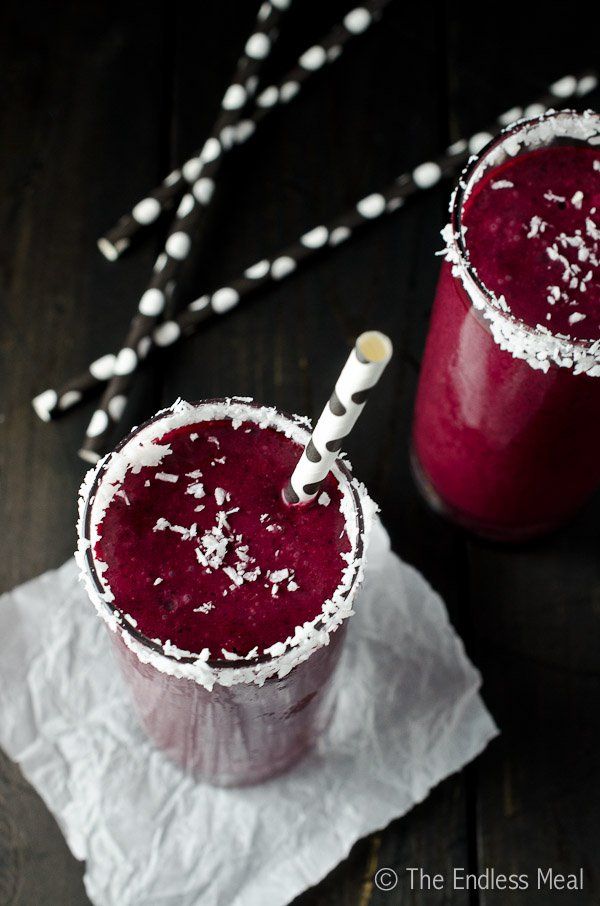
x,y
365,365
53,403
242,88
118,238
168,267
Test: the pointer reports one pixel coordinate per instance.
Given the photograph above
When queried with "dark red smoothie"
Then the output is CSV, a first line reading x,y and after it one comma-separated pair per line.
x,y
506,430
229,606
202,550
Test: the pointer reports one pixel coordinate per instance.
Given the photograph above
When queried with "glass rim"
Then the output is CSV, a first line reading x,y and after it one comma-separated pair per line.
x,y
123,624
458,199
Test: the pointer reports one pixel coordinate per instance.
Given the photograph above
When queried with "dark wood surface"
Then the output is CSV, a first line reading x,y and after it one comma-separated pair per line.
x,y
101,100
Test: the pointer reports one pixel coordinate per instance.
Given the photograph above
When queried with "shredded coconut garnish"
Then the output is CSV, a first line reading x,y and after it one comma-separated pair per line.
x,y
502,184
205,608
158,581
166,476
221,496
550,196
186,533
169,659
196,490
536,226
324,499
577,200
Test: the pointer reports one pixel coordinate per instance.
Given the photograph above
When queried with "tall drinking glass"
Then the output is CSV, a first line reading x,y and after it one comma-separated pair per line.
x,y
230,718
506,426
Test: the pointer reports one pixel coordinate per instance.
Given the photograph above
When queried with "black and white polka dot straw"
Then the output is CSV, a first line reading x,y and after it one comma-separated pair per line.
x,y
52,403
168,267
241,90
314,58
365,365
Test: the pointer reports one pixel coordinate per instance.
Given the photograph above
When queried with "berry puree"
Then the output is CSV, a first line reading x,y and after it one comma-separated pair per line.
x,y
202,552
533,231
507,446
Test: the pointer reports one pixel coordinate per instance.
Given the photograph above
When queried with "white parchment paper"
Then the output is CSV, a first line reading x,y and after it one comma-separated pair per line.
x,y
408,715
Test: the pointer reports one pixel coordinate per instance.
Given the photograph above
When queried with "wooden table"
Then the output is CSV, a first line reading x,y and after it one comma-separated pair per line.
x,y
101,100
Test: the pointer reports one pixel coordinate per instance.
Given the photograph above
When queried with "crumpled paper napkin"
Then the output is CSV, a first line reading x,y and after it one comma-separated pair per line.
x,y
408,715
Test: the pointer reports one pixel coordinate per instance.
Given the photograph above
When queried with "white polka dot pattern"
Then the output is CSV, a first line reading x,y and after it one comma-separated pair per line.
x,y
313,58
478,141
103,368
371,206
160,262
178,245
43,403
339,235
268,97
126,361
335,233
146,211
244,130
224,299
288,91
192,169
116,407
211,150
564,87
586,84
315,238
357,20
458,147
98,424
258,46
185,205
258,270
199,304
235,98
427,174
534,110
203,190
167,333
227,137
244,85
70,398
152,303
144,346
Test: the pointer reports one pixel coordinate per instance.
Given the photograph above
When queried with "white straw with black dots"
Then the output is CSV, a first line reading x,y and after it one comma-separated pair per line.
x,y
314,58
241,90
53,403
365,365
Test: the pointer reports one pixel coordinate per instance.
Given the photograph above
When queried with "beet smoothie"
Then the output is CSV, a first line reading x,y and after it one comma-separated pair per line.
x,y
229,605
506,426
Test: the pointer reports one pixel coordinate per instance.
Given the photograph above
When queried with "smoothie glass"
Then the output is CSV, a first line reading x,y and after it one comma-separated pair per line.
x,y
228,721
506,427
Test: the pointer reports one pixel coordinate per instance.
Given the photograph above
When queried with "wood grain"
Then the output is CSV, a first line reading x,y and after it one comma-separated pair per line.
x,y
102,102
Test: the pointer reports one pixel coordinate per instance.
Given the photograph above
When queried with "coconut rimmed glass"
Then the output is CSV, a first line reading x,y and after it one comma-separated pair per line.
x,y
229,722
505,429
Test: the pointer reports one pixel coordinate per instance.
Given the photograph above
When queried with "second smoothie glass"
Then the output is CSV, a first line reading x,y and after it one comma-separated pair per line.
x,y
506,429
